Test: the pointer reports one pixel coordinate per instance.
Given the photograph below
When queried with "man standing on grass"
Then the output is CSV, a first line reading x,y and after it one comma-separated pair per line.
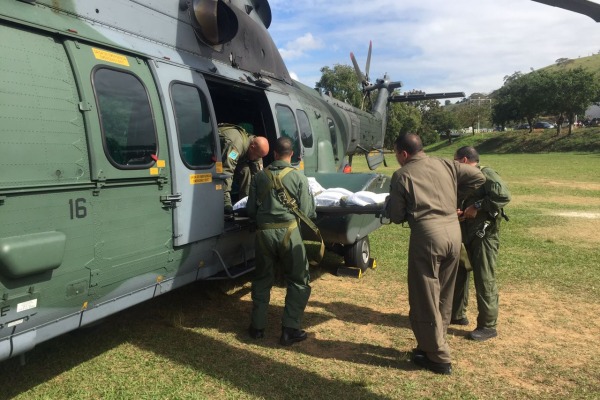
x,y
279,196
423,192
482,212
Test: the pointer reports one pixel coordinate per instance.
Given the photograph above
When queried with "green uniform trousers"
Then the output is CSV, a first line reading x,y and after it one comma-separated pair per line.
x,y
280,248
483,254
432,264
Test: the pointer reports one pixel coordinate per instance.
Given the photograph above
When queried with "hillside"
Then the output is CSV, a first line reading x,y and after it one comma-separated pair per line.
x,y
586,140
591,63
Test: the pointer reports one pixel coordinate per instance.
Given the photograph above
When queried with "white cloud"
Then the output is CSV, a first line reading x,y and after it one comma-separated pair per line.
x,y
430,45
298,47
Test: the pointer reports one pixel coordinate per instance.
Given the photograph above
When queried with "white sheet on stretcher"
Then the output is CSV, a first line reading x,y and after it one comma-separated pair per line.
x,y
336,197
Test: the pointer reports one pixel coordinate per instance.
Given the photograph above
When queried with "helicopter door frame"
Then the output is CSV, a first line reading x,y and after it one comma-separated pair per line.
x,y
281,102
198,213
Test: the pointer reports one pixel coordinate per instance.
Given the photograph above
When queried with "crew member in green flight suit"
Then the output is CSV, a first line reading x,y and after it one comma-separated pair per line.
x,y
241,154
482,212
279,242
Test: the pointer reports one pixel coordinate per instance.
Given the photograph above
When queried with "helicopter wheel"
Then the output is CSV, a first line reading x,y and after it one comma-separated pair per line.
x,y
359,254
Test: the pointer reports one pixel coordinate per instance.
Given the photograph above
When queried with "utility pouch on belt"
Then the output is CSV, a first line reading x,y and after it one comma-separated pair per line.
x,y
290,203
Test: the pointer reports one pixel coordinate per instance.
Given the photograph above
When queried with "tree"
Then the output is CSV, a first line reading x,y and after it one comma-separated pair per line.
x,y
474,111
523,97
402,118
435,119
342,83
444,122
573,91
504,109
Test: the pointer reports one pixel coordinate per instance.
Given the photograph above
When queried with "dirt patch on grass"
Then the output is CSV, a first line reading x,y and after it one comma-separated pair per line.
x,y
545,343
576,214
582,233
359,331
562,184
571,184
565,200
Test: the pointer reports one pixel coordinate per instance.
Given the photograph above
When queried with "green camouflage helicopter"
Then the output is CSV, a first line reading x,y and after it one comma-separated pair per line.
x,y
110,177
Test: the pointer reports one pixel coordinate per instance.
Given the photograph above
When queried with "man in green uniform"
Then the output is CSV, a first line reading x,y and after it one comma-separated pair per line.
x,y
241,154
423,192
482,212
274,193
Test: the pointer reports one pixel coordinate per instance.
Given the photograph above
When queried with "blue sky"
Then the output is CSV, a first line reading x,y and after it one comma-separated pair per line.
x,y
431,45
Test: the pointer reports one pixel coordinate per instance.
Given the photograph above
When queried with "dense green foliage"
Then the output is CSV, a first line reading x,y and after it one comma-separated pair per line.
x,y
402,118
342,83
426,118
562,93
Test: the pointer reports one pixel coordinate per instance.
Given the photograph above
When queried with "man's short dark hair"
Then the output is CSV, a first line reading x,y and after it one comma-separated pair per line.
x,y
469,152
284,146
410,143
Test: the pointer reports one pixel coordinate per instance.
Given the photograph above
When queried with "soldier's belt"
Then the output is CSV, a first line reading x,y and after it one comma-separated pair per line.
x,y
289,225
279,225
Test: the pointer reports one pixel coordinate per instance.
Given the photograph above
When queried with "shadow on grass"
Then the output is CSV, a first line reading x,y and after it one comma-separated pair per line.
x,y
362,315
165,326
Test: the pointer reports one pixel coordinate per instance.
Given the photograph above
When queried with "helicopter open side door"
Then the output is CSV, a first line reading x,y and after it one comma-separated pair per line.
x,y
193,146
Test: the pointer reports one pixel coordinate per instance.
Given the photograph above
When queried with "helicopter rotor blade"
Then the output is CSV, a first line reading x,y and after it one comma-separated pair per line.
x,y
368,61
359,74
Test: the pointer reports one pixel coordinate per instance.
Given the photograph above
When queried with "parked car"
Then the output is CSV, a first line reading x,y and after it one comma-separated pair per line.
x,y
543,125
522,126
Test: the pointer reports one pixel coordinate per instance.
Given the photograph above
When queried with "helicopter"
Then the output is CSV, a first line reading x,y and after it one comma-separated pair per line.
x,y
586,7
111,186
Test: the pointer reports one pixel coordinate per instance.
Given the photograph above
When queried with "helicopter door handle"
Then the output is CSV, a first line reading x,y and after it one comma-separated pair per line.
x,y
171,199
222,176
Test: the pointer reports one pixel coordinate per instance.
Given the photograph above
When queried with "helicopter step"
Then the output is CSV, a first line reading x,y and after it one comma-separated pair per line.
x,y
231,272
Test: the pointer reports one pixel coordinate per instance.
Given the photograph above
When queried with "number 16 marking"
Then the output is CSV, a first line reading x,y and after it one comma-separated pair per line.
x,y
77,208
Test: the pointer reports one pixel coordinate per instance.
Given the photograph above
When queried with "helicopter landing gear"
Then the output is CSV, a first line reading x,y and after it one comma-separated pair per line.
x,y
357,258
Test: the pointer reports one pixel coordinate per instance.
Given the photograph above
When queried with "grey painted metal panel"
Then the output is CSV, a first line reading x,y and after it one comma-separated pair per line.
x,y
110,307
199,214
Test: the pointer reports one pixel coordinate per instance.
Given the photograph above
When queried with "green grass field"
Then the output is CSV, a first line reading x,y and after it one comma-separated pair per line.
x,y
192,344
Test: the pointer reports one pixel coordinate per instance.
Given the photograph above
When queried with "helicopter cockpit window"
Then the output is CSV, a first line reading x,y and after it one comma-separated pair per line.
x,y
305,131
194,127
126,119
288,127
333,135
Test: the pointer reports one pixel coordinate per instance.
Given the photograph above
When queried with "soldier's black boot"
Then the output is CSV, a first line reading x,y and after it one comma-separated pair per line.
x,y
439,368
460,321
256,333
416,353
289,336
482,334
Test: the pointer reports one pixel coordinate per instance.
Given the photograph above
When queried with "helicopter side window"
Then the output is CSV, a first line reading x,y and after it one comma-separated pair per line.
x,y
287,126
194,128
126,119
333,135
305,130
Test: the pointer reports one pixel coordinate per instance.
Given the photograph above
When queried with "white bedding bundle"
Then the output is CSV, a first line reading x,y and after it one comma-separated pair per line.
x,y
334,197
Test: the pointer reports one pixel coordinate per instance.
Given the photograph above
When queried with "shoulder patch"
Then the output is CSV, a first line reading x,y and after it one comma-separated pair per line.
x,y
233,155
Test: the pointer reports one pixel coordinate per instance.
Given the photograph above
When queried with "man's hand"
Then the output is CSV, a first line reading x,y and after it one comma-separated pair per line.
x,y
470,212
